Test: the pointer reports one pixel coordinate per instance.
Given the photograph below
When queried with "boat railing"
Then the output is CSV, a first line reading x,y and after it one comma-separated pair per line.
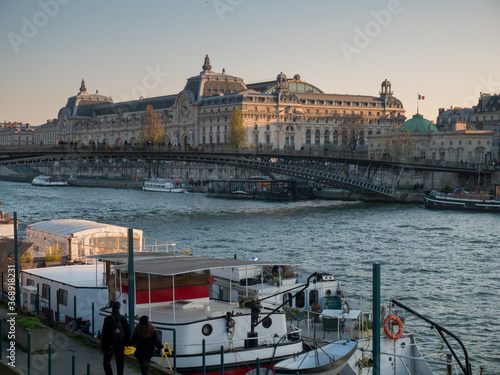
x,y
436,357
156,246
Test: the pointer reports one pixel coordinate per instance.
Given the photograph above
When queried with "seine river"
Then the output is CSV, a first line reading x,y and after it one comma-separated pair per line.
x,y
445,265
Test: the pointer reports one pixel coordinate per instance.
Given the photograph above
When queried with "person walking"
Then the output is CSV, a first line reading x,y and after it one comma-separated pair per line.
x,y
145,340
115,335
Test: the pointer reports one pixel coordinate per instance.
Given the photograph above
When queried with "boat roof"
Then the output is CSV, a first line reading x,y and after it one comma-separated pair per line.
x,y
67,227
170,264
77,276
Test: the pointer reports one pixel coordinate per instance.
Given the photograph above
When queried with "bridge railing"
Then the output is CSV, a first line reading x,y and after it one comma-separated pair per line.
x,y
310,152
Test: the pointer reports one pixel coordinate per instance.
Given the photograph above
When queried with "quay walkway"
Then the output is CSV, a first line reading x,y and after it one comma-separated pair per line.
x,y
66,343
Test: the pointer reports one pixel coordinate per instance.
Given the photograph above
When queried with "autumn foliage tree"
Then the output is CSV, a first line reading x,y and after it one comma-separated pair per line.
x,y
153,130
237,132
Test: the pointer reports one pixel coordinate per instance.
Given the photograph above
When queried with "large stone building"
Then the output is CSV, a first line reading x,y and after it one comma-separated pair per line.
x,y
16,134
286,112
418,138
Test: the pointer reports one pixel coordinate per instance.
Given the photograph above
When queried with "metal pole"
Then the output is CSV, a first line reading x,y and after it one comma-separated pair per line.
x,y
175,350
2,286
57,304
50,305
50,358
221,360
203,369
73,364
258,367
1,340
74,311
16,259
131,286
93,321
29,353
37,301
88,368
376,319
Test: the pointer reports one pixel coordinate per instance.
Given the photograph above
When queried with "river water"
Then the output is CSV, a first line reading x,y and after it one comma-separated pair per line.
x,y
445,265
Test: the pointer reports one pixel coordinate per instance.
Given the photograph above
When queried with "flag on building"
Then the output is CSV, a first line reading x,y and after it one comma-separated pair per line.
x,y
421,97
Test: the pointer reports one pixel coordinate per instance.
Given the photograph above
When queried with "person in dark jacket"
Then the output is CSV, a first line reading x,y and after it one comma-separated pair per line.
x,y
145,340
110,345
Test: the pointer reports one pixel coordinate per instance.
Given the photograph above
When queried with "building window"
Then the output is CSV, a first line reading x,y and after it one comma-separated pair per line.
x,y
327,137
335,138
63,297
308,137
45,290
317,137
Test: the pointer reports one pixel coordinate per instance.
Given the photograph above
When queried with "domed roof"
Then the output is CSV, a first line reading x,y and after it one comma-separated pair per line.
x,y
418,124
386,83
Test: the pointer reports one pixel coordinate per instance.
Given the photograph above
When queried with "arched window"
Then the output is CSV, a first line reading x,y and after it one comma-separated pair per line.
x,y
313,296
317,137
287,299
308,137
300,300
327,137
335,138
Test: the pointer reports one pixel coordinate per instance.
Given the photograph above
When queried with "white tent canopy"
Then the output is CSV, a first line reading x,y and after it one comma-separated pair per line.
x,y
79,238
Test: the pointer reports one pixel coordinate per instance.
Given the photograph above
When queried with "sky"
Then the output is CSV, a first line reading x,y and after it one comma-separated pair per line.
x,y
446,51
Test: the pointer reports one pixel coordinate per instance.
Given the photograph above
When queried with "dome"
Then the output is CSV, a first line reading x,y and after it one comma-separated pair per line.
x,y
418,124
386,83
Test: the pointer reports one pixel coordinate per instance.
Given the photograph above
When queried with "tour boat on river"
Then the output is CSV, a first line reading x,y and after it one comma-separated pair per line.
x,y
462,201
49,181
164,185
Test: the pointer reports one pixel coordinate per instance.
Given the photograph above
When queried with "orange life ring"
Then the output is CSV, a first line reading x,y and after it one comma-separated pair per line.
x,y
386,327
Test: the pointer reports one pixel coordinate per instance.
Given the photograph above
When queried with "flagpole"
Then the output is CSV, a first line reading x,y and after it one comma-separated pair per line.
x,y
418,98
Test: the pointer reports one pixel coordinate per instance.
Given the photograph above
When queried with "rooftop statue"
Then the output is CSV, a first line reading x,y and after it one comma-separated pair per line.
x,y
206,65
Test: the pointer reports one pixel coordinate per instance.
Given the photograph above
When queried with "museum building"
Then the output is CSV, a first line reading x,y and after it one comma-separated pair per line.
x,y
283,113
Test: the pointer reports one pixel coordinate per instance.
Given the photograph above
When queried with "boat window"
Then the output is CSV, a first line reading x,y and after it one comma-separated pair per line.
x,y
45,290
287,297
313,297
300,300
207,330
267,322
328,292
30,282
63,297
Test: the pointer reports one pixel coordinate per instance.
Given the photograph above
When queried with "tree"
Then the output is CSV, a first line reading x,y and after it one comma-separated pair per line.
x,y
400,145
237,132
152,128
351,131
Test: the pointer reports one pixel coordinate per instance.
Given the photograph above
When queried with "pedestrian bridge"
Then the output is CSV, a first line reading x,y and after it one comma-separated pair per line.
x,y
349,171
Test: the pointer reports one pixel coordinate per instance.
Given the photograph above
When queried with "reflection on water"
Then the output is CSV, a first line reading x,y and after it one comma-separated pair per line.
x,y
443,264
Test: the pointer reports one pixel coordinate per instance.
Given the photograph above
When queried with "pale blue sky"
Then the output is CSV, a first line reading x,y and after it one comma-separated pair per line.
x,y
445,50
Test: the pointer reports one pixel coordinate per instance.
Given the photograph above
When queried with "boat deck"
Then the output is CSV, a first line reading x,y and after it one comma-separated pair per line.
x,y
187,311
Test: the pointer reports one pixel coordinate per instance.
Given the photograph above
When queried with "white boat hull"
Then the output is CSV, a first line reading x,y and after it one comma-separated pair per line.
x,y
329,359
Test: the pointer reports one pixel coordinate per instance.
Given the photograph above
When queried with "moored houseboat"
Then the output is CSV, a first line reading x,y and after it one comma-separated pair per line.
x,y
463,201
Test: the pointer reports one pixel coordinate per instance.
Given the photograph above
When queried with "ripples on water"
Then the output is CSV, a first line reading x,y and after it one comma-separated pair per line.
x,y
443,264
